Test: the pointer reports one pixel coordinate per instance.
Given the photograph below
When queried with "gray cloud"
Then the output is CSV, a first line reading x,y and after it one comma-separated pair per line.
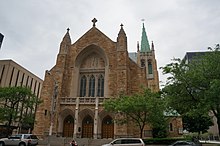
x,y
33,29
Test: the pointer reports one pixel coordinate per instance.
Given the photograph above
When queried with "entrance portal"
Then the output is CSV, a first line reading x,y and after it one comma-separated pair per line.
x,y
107,127
68,126
87,127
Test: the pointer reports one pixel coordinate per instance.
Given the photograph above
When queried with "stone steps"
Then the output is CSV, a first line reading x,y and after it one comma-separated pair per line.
x,y
61,141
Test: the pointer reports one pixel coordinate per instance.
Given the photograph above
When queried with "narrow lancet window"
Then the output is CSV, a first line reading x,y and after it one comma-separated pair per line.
x,y
83,86
142,63
92,86
100,92
150,68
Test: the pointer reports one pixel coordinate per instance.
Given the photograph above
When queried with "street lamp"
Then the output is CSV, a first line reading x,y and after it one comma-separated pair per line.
x,y
53,103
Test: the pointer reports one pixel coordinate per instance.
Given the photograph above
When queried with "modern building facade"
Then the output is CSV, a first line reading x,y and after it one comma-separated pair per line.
x,y
87,72
13,74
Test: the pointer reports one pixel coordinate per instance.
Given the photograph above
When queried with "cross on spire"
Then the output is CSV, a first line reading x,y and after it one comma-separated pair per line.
x,y
94,21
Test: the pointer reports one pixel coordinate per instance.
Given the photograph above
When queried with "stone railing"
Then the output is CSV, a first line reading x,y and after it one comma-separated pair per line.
x,y
82,100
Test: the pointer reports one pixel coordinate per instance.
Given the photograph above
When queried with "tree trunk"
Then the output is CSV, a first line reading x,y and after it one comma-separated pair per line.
x,y
141,134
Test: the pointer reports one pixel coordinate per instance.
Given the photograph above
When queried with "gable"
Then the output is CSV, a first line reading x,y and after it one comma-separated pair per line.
x,y
93,36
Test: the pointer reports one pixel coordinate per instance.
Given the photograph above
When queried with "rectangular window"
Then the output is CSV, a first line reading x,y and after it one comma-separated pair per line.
x,y
147,133
171,127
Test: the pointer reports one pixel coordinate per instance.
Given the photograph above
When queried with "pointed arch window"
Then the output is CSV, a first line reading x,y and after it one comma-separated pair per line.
x,y
100,92
83,86
92,86
150,67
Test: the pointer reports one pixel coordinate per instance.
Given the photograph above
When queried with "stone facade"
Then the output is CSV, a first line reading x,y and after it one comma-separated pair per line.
x,y
87,72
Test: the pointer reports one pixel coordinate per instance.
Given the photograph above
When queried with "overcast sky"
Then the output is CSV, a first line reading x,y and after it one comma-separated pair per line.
x,y
33,29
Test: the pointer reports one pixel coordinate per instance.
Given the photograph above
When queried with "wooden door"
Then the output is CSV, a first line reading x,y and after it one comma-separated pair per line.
x,y
87,127
68,126
107,127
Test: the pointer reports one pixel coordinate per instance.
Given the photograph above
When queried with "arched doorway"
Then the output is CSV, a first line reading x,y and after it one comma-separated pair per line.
x,y
87,127
68,126
107,127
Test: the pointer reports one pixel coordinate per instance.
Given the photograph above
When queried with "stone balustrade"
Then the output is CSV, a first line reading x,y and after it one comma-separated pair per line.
x,y
82,100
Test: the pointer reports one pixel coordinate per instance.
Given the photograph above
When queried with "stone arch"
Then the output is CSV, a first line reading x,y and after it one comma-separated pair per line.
x,y
107,127
104,118
91,60
82,114
62,115
87,127
89,50
68,126
85,112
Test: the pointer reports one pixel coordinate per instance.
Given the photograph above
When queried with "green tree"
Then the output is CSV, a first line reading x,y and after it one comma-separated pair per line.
x,y
197,122
13,100
195,86
141,108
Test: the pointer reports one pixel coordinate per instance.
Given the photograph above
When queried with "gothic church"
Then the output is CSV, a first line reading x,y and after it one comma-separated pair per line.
x,y
87,72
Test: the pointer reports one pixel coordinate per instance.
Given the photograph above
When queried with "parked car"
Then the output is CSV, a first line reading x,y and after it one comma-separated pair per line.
x,y
126,142
183,143
20,140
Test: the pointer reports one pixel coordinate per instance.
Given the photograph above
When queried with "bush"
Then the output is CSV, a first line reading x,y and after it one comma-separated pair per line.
x,y
165,141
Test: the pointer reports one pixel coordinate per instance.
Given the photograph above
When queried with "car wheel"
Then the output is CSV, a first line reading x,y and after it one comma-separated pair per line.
x,y
2,143
22,144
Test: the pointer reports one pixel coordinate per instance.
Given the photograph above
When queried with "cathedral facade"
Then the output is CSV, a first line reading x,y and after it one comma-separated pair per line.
x,y
87,72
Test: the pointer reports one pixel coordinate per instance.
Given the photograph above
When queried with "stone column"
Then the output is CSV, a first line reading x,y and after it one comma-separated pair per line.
x,y
96,118
76,118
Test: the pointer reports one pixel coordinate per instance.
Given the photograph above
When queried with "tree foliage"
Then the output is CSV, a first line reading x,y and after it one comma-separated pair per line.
x,y
197,122
194,87
15,100
141,108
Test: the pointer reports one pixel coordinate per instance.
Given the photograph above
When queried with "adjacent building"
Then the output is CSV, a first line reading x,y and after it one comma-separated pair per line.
x,y
13,74
93,69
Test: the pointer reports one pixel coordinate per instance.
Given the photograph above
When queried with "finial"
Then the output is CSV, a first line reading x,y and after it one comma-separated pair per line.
x,y
143,21
68,29
121,25
94,21
152,45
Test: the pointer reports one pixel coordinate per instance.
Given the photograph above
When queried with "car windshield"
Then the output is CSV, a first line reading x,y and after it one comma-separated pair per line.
x,y
18,135
14,137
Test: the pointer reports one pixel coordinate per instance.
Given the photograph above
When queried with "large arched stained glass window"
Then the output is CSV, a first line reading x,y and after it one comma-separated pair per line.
x,y
92,86
83,86
100,92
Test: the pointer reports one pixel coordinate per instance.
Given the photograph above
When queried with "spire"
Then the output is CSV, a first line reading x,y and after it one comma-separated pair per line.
x,y
121,30
66,38
122,39
138,48
65,44
145,47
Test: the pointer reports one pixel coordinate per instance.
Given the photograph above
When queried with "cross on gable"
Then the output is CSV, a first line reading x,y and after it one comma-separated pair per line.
x,y
94,21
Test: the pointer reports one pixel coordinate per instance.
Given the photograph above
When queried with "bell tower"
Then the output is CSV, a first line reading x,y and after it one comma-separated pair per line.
x,y
146,59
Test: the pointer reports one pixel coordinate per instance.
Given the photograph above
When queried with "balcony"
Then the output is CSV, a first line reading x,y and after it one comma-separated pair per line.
x,y
82,100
